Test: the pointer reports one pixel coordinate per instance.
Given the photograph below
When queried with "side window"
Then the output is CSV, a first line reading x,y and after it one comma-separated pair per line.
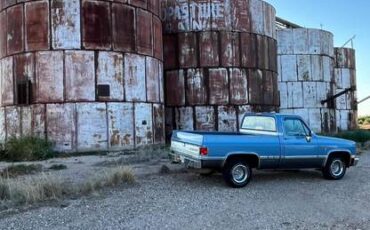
x,y
295,127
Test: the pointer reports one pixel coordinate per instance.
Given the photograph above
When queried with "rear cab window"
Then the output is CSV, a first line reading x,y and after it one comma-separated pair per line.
x,y
259,124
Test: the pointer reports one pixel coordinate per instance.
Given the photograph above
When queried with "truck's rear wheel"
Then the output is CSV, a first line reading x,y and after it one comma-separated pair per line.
x,y
237,173
335,169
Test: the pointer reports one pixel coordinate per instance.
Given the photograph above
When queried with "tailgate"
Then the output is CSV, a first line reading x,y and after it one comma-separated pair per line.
x,y
186,143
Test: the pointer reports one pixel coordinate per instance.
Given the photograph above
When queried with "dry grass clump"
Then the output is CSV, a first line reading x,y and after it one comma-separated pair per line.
x,y
45,187
20,170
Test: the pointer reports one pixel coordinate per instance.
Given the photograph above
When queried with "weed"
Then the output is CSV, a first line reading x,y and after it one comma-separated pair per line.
x,y
27,149
58,167
360,136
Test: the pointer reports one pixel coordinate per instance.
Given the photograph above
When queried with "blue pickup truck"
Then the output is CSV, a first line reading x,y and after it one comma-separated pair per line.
x,y
264,141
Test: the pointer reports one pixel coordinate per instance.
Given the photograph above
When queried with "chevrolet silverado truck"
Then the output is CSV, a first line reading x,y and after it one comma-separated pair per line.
x,y
264,141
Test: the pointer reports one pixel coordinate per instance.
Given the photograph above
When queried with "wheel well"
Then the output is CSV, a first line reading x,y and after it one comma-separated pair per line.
x,y
344,155
252,159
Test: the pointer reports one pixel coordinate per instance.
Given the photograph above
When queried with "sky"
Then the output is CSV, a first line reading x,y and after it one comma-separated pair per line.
x,y
344,18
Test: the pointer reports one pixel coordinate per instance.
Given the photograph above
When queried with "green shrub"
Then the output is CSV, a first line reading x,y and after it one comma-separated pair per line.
x,y
27,149
360,136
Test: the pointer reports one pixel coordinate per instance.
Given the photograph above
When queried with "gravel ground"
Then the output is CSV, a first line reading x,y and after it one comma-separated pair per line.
x,y
273,200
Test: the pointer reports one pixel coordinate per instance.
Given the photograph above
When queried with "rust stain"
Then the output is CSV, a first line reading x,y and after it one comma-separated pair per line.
x,y
37,25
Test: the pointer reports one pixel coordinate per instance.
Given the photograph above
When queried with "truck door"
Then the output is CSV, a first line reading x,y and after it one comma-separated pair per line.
x,y
298,145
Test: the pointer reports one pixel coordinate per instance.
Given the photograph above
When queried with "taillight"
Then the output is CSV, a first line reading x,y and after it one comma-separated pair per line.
x,y
203,151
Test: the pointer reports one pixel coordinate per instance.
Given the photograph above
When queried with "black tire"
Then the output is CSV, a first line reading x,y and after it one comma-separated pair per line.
x,y
335,168
230,173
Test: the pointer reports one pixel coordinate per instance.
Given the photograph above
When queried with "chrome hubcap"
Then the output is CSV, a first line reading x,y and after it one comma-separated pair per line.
x,y
337,167
239,173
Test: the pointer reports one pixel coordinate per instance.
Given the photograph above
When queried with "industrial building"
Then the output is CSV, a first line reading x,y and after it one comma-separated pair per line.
x,y
96,75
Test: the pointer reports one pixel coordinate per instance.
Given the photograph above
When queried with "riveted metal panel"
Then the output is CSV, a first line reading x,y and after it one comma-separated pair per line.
x,y
110,72
24,71
175,88
295,95
310,94
275,86
120,125
157,38
91,126
242,110
269,19
158,123
262,52
24,67
123,25
161,82
139,3
15,28
135,89
346,78
7,90
323,92
317,68
65,24
79,76
96,25
345,58
176,16
3,34
241,15
38,120
37,25
61,126
218,86
208,48
152,80
143,124
268,88
257,15
272,55
230,49
144,32
248,43
303,113
205,118
227,119
285,41
200,15
327,42
222,14
289,68
184,118
26,121
314,41
238,86
188,56
154,6
255,86
315,120
169,122
283,90
304,68
2,126
49,77
196,90
300,37
170,45
338,78
13,119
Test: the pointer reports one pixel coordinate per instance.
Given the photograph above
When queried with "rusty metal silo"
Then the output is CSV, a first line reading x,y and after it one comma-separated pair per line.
x,y
220,62
306,76
345,79
86,74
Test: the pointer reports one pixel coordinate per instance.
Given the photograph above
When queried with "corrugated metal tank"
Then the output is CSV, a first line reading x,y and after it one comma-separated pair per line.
x,y
86,74
306,76
220,62
345,78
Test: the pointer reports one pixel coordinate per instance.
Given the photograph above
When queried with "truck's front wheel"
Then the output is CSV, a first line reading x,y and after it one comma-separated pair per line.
x,y
237,173
334,169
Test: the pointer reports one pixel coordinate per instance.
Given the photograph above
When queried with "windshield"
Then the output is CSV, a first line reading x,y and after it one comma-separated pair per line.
x,y
259,123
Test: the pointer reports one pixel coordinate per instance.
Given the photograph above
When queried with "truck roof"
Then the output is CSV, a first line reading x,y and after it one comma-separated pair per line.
x,y
272,115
